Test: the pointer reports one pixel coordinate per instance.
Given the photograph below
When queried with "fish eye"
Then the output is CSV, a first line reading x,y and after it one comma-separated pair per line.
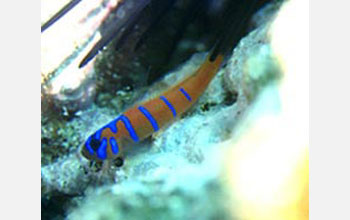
x,y
119,161
95,144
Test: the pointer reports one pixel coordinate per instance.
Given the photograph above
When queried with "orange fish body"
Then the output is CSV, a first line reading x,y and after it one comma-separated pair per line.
x,y
141,121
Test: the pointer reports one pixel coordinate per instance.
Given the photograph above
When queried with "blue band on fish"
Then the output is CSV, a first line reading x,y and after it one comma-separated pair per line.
x,y
149,116
102,150
129,127
188,97
170,106
114,145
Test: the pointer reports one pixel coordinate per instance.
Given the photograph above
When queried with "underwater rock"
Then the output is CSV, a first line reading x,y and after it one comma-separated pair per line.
x,y
178,193
246,71
71,97
66,176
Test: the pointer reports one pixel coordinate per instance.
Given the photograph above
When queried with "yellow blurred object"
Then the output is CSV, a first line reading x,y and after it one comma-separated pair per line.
x,y
267,170
268,176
